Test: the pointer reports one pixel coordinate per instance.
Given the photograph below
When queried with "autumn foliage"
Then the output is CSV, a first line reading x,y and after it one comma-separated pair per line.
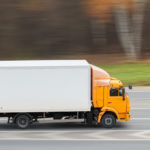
x,y
103,9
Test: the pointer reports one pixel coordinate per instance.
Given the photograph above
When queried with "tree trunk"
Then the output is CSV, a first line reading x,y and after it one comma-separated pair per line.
x,y
130,32
124,33
137,21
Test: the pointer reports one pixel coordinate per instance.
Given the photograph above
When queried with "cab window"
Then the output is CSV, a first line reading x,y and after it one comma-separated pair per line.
x,y
116,92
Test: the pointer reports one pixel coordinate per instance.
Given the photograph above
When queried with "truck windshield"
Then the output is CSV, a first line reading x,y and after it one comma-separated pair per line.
x,y
116,92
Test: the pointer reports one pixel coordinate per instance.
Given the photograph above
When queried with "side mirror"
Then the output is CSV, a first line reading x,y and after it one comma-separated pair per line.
x,y
123,93
130,87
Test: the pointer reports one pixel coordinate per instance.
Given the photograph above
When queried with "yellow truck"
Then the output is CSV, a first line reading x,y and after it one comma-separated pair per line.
x,y
60,90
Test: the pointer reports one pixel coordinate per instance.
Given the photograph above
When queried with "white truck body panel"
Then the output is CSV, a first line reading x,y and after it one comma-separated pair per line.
x,y
45,86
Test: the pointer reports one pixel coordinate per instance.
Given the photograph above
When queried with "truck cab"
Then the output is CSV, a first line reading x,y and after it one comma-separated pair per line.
x,y
109,97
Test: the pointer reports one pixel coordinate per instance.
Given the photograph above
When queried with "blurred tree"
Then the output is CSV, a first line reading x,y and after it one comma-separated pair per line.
x,y
43,28
35,5
129,29
46,28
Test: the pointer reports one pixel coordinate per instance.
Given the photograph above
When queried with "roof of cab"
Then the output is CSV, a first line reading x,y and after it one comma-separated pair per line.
x,y
44,63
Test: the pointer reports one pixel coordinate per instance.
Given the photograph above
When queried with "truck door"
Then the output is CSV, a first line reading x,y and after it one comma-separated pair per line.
x,y
115,100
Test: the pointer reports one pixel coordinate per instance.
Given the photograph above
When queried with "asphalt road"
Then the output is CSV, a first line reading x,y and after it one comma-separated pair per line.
x,y
66,136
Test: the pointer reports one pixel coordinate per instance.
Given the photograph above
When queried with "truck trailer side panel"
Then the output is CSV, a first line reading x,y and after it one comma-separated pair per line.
x,y
42,88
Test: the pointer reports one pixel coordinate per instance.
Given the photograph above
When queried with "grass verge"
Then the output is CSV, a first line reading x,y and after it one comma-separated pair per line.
x,y
135,74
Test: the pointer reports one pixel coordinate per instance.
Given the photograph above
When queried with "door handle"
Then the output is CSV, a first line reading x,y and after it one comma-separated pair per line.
x,y
109,102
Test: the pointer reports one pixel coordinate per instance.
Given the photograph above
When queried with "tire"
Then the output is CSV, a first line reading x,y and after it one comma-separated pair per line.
x,y
108,120
89,119
22,121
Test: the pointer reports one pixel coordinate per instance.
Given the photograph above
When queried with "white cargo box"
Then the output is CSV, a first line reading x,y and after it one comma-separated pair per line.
x,y
45,86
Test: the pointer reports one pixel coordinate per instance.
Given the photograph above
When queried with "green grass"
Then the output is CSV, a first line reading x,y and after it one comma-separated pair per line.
x,y
135,74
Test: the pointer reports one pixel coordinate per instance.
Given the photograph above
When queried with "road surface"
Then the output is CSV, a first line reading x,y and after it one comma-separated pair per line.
x,y
66,136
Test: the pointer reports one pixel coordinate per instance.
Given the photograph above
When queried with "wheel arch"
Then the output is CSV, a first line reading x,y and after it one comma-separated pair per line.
x,y
112,113
106,110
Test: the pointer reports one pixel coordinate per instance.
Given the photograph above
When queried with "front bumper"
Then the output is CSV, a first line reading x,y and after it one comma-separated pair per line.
x,y
128,117
124,117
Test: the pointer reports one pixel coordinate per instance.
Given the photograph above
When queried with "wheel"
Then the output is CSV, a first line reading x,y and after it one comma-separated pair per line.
x,y
22,121
108,120
89,118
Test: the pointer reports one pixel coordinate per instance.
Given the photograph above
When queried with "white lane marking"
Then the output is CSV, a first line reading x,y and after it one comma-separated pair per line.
x,y
140,118
69,139
139,108
74,131
97,135
138,91
31,139
142,134
140,99
133,135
